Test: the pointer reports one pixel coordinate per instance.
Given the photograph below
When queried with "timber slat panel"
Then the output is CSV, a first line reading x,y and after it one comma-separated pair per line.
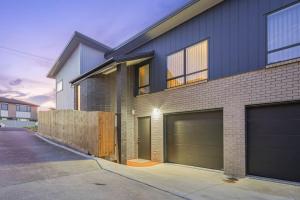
x,y
91,132
107,133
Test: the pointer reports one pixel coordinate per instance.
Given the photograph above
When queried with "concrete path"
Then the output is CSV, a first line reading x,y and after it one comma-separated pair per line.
x,y
195,183
31,169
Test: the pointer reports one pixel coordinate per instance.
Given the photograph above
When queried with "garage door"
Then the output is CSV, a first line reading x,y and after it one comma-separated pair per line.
x,y
273,141
195,139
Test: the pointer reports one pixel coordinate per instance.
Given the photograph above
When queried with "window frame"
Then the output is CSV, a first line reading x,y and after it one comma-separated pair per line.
x,y
18,108
138,87
266,35
3,104
184,76
62,85
77,96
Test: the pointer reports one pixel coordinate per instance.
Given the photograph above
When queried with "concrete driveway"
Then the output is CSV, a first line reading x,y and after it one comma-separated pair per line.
x,y
31,169
196,183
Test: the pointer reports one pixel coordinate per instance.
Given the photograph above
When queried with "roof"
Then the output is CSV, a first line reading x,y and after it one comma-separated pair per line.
x,y
15,101
187,12
77,38
140,57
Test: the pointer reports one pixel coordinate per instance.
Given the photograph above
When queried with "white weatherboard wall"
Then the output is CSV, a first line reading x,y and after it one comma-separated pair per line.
x,y
25,115
17,123
90,58
83,59
3,113
70,70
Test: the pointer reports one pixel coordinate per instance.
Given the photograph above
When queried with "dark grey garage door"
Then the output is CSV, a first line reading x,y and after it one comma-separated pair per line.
x,y
273,141
195,139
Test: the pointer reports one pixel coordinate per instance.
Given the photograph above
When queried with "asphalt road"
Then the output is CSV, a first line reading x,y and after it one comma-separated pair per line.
x,y
31,169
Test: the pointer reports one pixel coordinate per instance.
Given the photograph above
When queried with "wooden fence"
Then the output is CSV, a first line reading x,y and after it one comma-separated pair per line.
x,y
91,132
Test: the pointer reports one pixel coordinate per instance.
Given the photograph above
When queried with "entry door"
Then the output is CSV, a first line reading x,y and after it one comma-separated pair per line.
x,y
144,138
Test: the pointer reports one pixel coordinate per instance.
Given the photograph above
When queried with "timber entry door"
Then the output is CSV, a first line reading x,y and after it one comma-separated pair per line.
x,y
144,138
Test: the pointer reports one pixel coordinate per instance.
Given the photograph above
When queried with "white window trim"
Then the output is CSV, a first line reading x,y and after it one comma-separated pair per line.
x,y
62,86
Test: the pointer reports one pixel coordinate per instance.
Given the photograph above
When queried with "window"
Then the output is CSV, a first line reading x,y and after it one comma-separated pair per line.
x,y
284,34
3,106
196,62
59,86
23,108
188,66
175,65
143,82
77,96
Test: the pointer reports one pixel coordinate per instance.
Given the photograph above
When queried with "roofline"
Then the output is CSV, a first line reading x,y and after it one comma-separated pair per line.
x,y
161,22
76,39
117,60
19,102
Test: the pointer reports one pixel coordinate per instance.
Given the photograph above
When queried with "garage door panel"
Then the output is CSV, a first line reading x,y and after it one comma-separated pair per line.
x,y
278,112
274,127
273,141
190,139
283,142
204,159
195,139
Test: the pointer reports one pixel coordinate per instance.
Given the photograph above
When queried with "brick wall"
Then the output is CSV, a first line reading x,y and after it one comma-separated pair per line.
x,y
33,113
12,110
232,94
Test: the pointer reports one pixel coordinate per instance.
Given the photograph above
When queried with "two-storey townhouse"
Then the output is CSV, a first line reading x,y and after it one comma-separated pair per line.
x,y
16,113
216,85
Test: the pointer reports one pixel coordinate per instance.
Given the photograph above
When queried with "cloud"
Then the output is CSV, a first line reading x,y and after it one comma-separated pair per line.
x,y
33,91
41,99
15,82
12,93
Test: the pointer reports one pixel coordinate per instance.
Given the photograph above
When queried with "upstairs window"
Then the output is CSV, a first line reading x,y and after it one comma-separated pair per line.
x,y
188,66
197,62
284,34
3,106
144,77
59,86
175,65
23,108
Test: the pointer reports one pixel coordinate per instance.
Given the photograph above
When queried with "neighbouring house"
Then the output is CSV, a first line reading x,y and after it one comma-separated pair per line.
x,y
16,113
216,84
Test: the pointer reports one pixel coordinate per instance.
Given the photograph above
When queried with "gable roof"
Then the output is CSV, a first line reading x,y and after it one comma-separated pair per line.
x,y
185,13
77,38
15,101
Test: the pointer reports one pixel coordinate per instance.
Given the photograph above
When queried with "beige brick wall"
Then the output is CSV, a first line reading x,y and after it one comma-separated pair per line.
x,y
232,94
12,110
33,113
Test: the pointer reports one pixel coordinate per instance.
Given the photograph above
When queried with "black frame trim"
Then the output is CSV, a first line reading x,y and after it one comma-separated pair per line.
x,y
184,64
147,62
266,35
3,104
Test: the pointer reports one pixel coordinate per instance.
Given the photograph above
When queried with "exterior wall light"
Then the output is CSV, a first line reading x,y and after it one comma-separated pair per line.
x,y
156,112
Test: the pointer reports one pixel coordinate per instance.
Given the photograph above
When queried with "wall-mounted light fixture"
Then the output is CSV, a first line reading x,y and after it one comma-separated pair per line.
x,y
156,112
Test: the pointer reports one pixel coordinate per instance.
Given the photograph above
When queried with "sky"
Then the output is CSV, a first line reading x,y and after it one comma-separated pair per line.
x,y
33,33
